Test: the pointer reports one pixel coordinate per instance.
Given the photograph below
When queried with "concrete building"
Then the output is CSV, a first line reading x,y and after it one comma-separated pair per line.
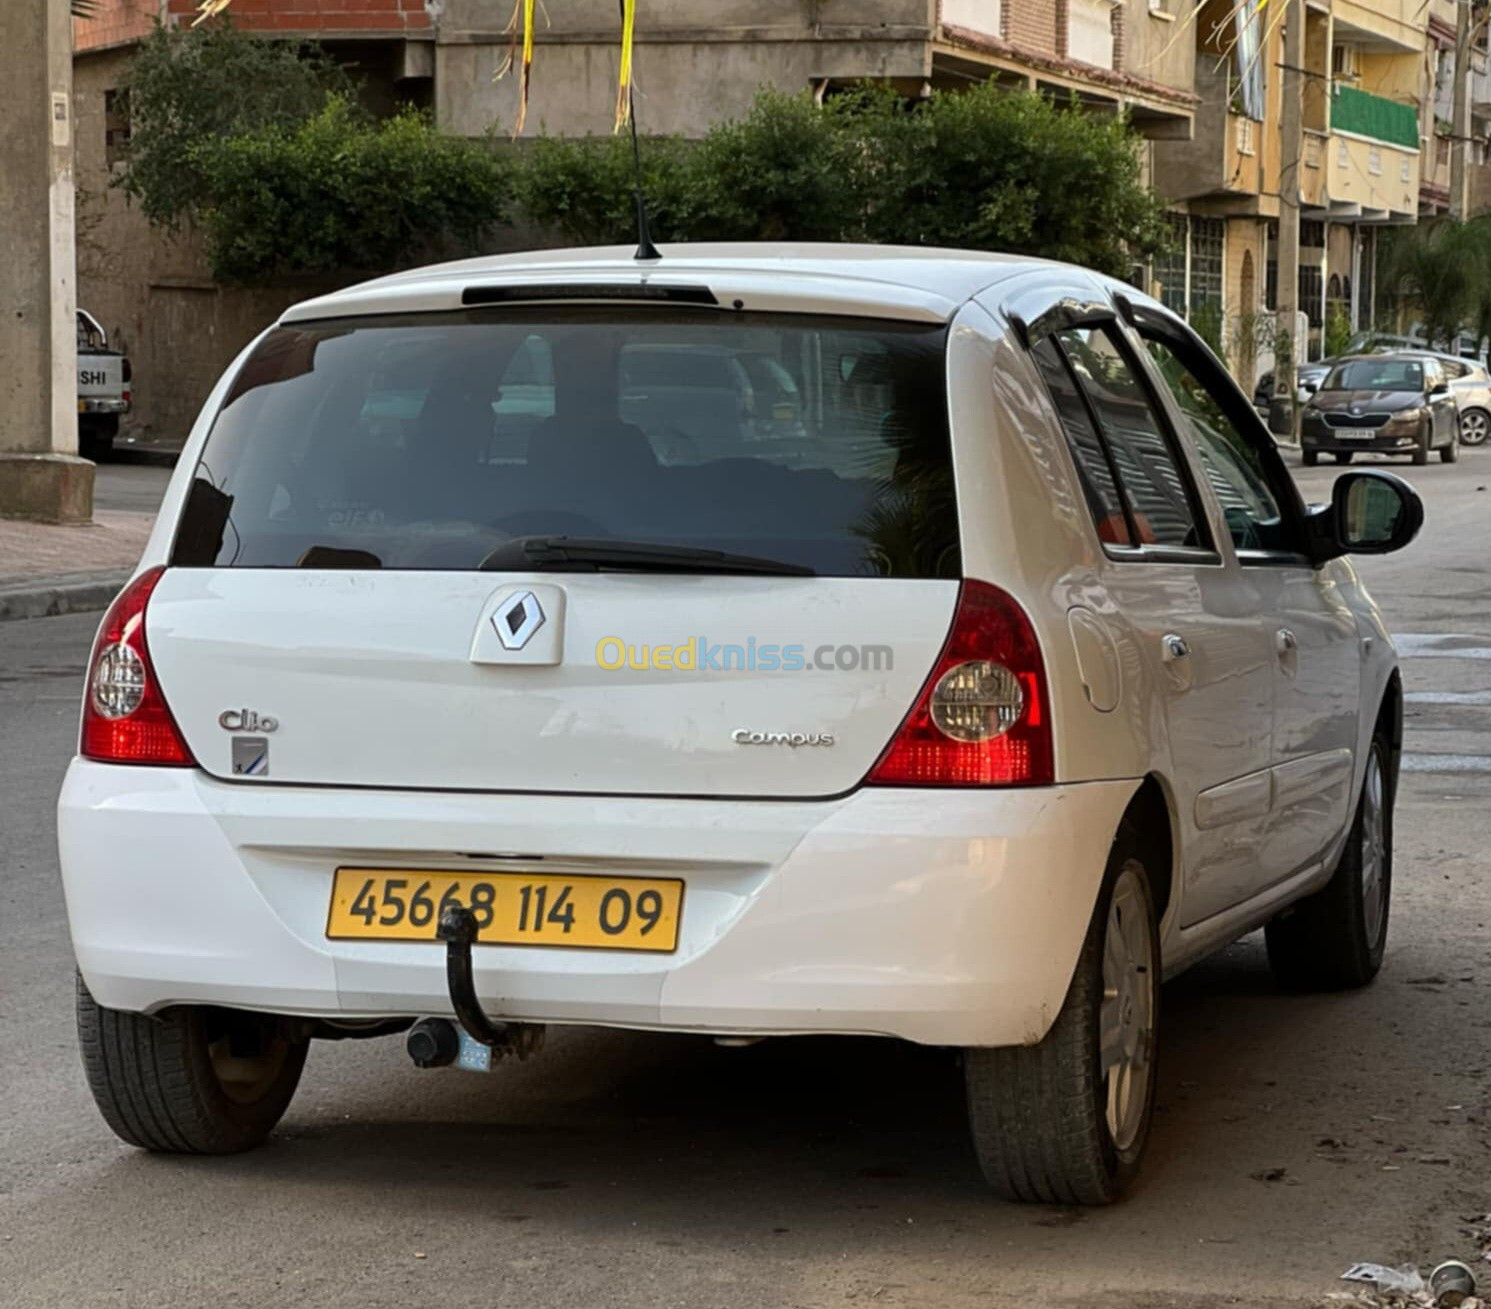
x,y
694,69
1365,81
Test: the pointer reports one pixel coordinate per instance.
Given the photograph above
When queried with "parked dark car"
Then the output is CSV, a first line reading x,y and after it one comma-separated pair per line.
x,y
1386,404
1309,375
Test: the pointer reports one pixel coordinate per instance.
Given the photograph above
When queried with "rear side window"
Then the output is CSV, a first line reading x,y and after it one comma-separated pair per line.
x,y
1093,467
1161,506
1142,459
423,442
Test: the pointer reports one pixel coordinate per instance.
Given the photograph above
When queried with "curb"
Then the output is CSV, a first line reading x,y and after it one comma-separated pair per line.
x,y
48,597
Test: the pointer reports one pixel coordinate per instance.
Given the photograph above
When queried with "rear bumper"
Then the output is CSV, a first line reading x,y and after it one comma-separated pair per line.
x,y
946,917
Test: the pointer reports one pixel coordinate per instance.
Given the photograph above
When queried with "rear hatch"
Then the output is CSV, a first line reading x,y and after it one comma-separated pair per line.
x,y
564,550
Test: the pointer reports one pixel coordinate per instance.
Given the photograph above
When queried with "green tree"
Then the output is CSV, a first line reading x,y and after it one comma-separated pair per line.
x,y
187,86
340,192
992,169
1440,270
582,189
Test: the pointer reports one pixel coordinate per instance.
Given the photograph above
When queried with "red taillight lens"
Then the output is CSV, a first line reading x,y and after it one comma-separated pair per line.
x,y
125,717
983,717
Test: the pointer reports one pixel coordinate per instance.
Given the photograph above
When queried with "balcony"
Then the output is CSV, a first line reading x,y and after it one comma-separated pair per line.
x,y
1434,174
1375,180
1224,160
1398,24
1372,162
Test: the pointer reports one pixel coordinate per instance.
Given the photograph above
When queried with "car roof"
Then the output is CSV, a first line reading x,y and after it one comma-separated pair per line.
x,y
867,280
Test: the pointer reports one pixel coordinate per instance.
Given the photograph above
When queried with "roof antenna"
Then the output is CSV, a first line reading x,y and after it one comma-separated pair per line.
x,y
646,251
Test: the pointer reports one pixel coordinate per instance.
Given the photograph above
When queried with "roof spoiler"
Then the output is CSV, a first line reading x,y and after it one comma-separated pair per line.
x,y
536,293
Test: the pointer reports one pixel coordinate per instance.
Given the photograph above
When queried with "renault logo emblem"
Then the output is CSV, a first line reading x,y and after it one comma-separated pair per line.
x,y
517,619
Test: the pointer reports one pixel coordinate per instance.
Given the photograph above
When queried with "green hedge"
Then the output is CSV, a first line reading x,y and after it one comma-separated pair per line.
x,y
982,168
340,193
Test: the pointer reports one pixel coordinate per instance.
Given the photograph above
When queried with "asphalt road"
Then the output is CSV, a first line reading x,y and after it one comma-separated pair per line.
x,y
624,1170
137,487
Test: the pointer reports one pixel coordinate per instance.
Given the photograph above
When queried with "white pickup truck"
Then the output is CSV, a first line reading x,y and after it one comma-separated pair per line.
x,y
103,388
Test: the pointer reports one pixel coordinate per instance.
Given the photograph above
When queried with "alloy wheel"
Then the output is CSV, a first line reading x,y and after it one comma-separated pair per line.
x,y
1126,1016
1475,425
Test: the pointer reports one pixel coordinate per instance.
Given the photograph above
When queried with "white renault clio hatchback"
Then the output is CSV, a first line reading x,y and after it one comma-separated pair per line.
x,y
763,640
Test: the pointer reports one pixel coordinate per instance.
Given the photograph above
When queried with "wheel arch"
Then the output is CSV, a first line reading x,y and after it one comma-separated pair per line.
x,y
1390,722
1151,816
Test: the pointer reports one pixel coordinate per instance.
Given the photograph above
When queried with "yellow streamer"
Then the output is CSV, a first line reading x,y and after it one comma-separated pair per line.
x,y
527,67
624,89
511,32
209,9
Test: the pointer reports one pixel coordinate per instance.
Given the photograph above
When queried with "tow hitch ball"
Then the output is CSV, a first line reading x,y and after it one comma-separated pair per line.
x,y
478,1043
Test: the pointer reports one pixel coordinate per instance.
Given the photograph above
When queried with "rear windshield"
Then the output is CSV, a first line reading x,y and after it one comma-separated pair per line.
x,y
424,442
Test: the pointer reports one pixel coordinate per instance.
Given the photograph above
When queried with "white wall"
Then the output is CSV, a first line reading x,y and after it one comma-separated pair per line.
x,y
983,16
1090,32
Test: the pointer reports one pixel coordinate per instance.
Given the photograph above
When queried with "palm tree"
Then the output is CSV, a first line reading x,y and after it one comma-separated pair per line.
x,y
1437,268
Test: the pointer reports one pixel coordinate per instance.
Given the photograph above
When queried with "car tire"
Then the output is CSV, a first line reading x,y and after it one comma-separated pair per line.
x,y
170,1083
1421,451
1334,940
96,446
1050,1123
1475,426
1449,454
1309,458
1344,456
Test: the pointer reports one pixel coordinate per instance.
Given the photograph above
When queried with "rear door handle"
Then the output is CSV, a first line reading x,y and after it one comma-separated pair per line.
x,y
1174,647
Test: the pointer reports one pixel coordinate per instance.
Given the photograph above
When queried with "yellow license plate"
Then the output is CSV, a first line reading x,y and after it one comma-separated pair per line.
x,y
594,913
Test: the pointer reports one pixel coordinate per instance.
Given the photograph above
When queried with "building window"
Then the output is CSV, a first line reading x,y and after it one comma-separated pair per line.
x,y
116,127
1374,161
1245,136
1208,260
1311,234
1405,171
1170,267
1311,288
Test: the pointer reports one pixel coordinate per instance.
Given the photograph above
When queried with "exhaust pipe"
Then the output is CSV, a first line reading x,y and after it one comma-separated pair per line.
x,y
433,1043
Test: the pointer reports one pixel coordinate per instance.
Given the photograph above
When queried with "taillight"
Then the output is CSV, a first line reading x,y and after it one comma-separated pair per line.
x,y
983,718
125,717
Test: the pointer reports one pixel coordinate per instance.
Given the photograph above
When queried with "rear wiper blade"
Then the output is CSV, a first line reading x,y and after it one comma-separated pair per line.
x,y
594,553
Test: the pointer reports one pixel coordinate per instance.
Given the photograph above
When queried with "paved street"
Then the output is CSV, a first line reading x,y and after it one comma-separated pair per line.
x,y
633,1170
133,487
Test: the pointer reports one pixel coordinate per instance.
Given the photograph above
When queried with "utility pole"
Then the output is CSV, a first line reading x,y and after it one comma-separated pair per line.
x,y
1281,416
41,476
1460,113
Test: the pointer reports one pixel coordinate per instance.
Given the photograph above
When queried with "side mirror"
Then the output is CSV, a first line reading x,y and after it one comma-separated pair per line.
x,y
1374,512
1440,388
